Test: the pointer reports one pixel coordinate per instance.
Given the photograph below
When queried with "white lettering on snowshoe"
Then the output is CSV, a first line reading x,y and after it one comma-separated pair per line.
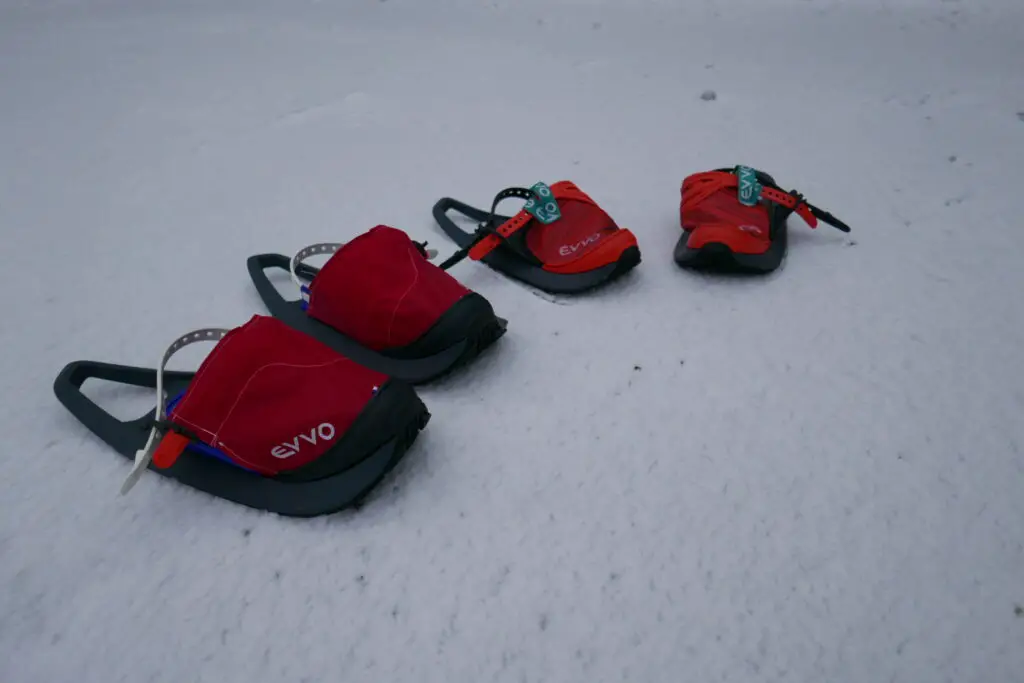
x,y
570,249
325,432
747,189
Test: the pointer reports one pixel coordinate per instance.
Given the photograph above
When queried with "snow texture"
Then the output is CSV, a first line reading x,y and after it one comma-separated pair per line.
x,y
814,476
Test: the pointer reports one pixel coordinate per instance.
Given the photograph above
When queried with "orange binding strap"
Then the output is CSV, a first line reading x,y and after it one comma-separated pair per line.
x,y
563,189
700,186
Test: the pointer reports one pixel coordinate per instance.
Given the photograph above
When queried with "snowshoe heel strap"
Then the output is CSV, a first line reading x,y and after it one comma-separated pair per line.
x,y
486,231
305,253
161,428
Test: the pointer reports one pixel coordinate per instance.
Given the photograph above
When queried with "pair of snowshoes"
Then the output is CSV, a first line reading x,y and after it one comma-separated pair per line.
x,y
304,411
734,220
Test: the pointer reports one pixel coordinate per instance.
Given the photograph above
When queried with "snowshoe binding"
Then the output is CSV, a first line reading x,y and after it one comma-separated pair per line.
x,y
272,419
561,242
734,220
380,301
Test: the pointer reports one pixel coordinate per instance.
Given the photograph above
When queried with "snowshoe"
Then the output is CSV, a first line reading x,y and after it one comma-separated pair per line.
x,y
272,419
379,301
734,219
561,242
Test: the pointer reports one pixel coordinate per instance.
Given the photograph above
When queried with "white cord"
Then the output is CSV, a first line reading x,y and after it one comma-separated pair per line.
x,y
145,455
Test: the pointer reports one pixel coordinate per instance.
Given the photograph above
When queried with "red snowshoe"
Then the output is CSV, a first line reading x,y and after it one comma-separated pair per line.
x,y
381,302
273,419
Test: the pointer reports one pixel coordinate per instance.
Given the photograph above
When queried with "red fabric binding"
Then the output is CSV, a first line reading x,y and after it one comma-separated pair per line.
x,y
582,231
710,211
721,218
381,291
582,226
700,186
272,398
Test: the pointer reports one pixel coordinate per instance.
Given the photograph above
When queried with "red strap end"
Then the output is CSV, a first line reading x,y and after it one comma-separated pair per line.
x,y
170,447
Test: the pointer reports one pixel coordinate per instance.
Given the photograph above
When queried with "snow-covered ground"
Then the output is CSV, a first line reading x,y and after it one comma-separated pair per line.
x,y
817,476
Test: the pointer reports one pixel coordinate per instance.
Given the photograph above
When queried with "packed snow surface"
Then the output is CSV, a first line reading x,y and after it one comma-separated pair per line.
x,y
812,476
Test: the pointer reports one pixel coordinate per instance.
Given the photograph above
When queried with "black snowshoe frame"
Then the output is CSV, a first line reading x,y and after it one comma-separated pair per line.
x,y
396,406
